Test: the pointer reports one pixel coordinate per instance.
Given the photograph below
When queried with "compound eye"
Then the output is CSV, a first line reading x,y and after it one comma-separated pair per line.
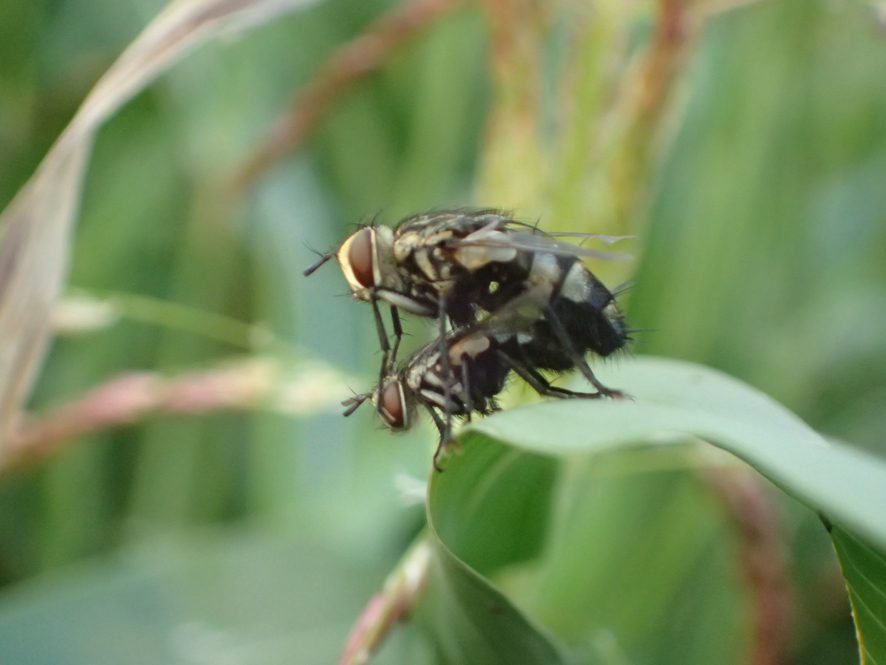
x,y
360,258
393,411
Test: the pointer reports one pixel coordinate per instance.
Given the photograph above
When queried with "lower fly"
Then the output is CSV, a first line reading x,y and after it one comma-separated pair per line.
x,y
464,382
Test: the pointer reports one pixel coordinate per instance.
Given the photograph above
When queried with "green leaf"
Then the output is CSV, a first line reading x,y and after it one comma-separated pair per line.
x,y
673,399
472,623
610,557
482,511
633,563
485,513
864,568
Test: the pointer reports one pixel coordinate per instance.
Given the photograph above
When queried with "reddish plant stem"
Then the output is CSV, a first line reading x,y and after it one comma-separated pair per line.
x,y
349,64
131,397
646,100
665,55
393,604
764,560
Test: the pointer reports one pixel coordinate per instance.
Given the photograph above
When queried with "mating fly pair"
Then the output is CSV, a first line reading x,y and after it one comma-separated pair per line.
x,y
516,298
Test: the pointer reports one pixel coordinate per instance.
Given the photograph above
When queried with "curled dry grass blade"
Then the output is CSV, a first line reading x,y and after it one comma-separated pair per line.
x,y
36,226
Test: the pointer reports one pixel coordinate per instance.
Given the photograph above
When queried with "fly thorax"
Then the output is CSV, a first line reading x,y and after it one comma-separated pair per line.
x,y
424,372
432,378
442,264
415,375
435,398
384,266
426,265
403,247
577,285
470,347
474,257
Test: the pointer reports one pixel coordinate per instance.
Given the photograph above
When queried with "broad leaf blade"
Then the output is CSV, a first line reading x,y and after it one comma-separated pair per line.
x,y
617,565
673,400
674,403
476,505
483,511
472,623
864,568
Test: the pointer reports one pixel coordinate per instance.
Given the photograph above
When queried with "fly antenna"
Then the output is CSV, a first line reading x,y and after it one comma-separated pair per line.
x,y
353,403
323,259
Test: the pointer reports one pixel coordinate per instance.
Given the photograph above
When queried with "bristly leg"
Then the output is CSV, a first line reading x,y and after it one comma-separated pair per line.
x,y
575,357
444,364
385,347
541,385
466,386
441,428
398,333
445,447
380,329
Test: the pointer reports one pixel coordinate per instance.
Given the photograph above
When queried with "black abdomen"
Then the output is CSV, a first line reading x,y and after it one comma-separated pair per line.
x,y
591,328
594,324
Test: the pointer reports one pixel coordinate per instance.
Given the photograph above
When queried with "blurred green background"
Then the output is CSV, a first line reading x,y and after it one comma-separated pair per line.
x,y
757,195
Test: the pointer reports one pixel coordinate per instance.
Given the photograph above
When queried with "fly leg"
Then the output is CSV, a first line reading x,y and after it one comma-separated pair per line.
x,y
442,428
444,364
398,332
382,334
538,383
466,397
575,357
387,358
565,392
555,391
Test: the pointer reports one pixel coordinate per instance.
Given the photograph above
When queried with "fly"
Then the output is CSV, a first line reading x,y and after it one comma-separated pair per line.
x,y
464,380
463,264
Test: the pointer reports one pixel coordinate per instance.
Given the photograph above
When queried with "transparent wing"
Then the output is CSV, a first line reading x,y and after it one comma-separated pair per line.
x,y
516,316
605,239
529,242
493,228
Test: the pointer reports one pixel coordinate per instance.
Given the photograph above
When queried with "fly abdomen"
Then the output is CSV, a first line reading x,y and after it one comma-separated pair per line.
x,y
487,376
539,348
591,328
589,313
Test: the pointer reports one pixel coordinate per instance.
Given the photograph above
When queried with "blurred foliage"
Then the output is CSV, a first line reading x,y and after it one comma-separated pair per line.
x,y
754,188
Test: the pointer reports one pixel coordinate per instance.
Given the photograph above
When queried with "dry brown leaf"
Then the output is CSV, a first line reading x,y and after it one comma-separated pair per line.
x,y
37,224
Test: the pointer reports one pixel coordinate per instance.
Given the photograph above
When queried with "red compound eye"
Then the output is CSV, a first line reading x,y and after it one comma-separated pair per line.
x,y
360,258
392,408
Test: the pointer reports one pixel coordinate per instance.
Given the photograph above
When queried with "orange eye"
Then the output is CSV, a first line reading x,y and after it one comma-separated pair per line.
x,y
360,258
393,410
